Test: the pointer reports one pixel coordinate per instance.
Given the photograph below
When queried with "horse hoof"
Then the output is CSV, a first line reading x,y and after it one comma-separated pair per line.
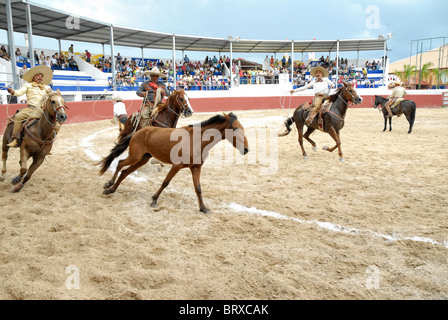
x,y
314,149
153,205
16,180
206,211
108,191
17,188
305,157
108,185
341,160
325,148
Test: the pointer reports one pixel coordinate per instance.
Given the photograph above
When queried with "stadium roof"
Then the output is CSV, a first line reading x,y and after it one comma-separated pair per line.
x,y
56,24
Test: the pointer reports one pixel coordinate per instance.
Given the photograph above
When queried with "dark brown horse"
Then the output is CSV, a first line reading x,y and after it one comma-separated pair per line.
x,y
176,105
164,145
38,138
333,119
406,107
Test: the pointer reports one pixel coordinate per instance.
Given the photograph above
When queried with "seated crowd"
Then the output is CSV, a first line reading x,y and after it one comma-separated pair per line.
x,y
200,75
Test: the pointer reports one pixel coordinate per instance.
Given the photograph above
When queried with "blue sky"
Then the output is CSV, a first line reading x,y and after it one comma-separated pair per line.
x,y
268,20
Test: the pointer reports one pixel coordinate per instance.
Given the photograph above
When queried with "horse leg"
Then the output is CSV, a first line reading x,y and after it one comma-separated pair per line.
x,y
385,122
335,135
23,169
196,173
307,137
133,165
37,161
390,124
173,171
300,131
5,150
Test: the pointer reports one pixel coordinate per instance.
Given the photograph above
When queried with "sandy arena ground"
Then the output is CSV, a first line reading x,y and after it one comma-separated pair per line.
x,y
374,227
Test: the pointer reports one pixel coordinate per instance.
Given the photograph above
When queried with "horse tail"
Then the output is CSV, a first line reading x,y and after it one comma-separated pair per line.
x,y
119,148
412,116
288,124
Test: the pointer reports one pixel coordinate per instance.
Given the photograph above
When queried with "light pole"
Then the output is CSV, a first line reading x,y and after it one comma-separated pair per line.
x,y
385,38
232,40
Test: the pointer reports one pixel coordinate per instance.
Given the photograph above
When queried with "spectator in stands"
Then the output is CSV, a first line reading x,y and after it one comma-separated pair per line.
x,y
72,64
88,55
4,54
38,79
152,92
320,85
19,57
71,49
186,59
42,57
22,73
47,62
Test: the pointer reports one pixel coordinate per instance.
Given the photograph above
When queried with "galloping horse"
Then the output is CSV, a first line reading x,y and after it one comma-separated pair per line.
x,y
38,139
188,153
407,107
333,119
169,113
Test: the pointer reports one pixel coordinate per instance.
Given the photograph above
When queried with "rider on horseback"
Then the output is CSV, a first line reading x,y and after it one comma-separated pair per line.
x,y
153,92
320,86
397,93
37,87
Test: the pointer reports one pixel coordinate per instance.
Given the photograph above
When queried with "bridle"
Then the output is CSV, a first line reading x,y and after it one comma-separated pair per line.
x,y
182,108
55,110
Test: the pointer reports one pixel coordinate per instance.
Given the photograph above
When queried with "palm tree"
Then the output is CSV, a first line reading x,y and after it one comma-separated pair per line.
x,y
439,74
406,74
425,71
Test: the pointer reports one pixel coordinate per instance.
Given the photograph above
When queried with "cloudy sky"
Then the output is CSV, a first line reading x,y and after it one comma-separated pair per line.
x,y
268,20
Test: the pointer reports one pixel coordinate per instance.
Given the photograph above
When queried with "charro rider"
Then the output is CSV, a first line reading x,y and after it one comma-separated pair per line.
x,y
120,114
320,85
153,92
397,93
37,87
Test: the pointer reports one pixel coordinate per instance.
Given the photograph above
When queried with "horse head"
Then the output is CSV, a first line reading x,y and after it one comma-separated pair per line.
x,y
378,101
237,138
182,103
54,104
350,94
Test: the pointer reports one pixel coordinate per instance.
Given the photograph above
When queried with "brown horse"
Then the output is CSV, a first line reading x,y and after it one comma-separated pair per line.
x,y
333,119
162,144
169,113
38,138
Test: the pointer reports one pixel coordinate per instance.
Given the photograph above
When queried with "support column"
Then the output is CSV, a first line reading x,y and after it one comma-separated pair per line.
x,y
111,32
337,63
29,30
292,64
12,53
174,63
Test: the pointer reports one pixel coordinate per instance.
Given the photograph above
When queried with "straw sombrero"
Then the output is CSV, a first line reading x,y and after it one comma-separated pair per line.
x,y
395,84
116,98
46,72
324,71
155,71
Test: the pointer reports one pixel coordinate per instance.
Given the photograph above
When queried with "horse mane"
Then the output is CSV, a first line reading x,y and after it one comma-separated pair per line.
x,y
335,95
163,105
215,119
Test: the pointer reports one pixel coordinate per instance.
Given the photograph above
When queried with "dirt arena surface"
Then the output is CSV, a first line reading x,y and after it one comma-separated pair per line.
x,y
374,227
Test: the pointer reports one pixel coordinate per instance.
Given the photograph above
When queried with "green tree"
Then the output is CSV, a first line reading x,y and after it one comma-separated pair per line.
x,y
406,74
425,71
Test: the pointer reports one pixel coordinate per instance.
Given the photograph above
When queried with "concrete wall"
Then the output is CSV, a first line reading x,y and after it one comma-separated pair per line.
x,y
100,110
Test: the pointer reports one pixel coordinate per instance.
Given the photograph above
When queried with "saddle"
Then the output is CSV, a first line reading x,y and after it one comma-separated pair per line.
x,y
25,124
397,102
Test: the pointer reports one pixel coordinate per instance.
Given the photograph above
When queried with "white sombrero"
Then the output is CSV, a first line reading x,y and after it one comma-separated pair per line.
x,y
116,98
324,71
155,71
46,72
